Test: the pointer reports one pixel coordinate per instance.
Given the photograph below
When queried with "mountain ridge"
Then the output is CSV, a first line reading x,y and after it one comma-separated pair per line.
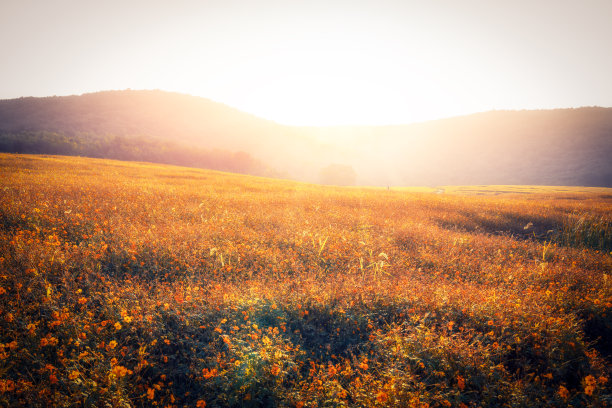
x,y
565,146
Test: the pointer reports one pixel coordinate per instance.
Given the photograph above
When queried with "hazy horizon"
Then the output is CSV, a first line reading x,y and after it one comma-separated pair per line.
x,y
320,63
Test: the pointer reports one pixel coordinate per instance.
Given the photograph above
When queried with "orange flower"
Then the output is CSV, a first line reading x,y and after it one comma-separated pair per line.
x,y
151,393
112,344
461,382
206,373
121,371
73,375
200,404
382,397
563,392
82,300
118,326
275,370
590,380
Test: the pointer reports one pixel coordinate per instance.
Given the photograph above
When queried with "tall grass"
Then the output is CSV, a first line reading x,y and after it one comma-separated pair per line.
x,y
134,285
584,230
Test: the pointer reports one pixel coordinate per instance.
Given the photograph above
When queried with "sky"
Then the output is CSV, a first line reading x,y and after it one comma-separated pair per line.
x,y
317,62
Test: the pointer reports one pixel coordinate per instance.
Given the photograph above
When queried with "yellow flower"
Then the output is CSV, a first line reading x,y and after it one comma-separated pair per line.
x,y
127,319
73,375
112,344
118,326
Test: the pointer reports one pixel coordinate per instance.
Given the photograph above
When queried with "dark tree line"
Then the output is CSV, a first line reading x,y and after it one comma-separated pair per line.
x,y
130,148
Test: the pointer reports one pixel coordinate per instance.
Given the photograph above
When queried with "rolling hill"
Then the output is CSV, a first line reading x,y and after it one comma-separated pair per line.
x,y
543,147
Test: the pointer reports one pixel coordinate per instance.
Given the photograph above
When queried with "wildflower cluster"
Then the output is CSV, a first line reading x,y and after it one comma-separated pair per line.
x,y
147,285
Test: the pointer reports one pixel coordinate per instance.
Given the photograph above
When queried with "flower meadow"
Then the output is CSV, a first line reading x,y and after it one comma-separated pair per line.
x,y
139,285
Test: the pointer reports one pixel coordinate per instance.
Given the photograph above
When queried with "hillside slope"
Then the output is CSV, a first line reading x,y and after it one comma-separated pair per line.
x,y
546,147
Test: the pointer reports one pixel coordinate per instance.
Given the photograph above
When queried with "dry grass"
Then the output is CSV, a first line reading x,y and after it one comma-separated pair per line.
x,y
146,285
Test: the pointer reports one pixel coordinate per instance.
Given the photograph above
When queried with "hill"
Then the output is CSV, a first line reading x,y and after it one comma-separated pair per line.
x,y
546,147
136,285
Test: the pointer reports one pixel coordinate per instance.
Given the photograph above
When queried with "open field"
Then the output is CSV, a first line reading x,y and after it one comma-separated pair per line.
x,y
125,284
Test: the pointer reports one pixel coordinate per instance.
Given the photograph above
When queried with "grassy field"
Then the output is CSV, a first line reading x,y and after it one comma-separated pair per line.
x,y
126,284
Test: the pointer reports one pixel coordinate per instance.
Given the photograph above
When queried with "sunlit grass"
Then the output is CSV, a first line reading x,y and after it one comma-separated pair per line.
x,y
129,284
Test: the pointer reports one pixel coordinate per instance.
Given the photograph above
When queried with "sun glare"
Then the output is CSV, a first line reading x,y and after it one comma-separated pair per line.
x,y
333,80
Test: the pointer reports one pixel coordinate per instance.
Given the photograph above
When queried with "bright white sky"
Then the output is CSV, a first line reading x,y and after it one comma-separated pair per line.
x,y
315,62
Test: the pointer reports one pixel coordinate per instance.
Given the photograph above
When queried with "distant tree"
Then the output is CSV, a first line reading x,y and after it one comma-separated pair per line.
x,y
338,175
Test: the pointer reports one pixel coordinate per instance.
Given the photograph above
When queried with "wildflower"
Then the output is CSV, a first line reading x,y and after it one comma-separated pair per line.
x,y
121,371
73,375
6,385
275,370
200,404
461,382
206,373
112,344
363,365
82,300
563,392
118,326
382,397
331,371
127,319
151,393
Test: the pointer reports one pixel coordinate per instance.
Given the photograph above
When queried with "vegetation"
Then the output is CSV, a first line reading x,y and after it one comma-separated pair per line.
x,y
129,284
131,148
